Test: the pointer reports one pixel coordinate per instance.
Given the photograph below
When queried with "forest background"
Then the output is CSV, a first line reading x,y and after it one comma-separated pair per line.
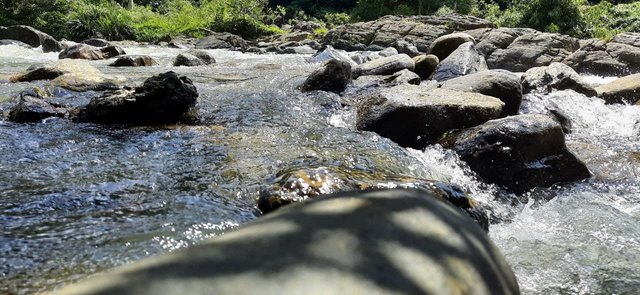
x,y
155,20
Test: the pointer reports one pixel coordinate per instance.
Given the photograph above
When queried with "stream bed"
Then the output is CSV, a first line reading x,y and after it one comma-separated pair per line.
x,y
78,198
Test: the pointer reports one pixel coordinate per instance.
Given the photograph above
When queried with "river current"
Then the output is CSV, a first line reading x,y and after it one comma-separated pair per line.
x,y
77,198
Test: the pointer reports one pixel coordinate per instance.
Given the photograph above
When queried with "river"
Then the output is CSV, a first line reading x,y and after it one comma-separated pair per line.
x,y
78,198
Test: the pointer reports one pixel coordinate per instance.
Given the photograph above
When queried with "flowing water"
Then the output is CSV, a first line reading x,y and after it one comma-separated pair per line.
x,y
76,199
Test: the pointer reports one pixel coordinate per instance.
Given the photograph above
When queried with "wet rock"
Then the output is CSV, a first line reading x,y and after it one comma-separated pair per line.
x,y
51,45
164,98
490,40
621,56
134,61
303,49
298,184
501,84
14,42
33,109
556,76
84,51
193,58
76,75
414,116
443,46
622,90
97,42
222,41
396,241
562,118
398,78
385,65
463,61
518,152
406,47
330,53
425,65
24,34
389,51
533,50
334,75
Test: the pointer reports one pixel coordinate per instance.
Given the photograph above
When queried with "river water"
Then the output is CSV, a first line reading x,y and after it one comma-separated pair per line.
x,y
77,199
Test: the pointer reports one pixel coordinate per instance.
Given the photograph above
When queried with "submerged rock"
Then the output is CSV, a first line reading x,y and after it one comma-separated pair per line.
x,y
299,184
463,61
518,152
76,75
556,76
84,51
425,65
443,46
193,58
621,90
501,84
384,65
413,116
376,242
334,75
134,61
32,109
165,98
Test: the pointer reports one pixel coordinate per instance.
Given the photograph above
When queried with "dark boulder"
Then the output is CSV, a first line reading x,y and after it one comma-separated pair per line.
x,y
84,51
194,58
302,49
97,42
398,78
384,65
14,42
556,76
134,61
533,50
425,65
463,61
490,40
413,116
222,41
33,109
406,47
51,45
397,241
518,152
621,90
620,56
76,75
161,99
501,84
334,75
443,46
24,34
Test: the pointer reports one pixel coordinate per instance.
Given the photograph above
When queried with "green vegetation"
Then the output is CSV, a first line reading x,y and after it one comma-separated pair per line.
x,y
152,20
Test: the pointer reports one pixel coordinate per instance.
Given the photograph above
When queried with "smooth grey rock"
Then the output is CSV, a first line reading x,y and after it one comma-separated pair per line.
x,y
500,84
330,53
161,99
621,56
621,90
389,51
334,75
34,109
414,116
97,42
490,40
533,50
24,34
76,75
303,49
463,61
134,61
406,47
425,65
518,152
84,51
194,58
401,77
396,241
443,46
556,76
222,41
385,65
14,42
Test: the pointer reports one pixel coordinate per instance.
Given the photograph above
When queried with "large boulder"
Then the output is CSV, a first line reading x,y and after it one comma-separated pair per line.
x,y
490,40
621,90
84,51
414,116
463,61
500,84
97,42
161,99
330,53
222,41
396,241
33,108
620,56
384,65
14,43
556,76
76,75
25,34
334,75
518,152
398,78
425,65
296,184
443,46
533,50
134,61
193,58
